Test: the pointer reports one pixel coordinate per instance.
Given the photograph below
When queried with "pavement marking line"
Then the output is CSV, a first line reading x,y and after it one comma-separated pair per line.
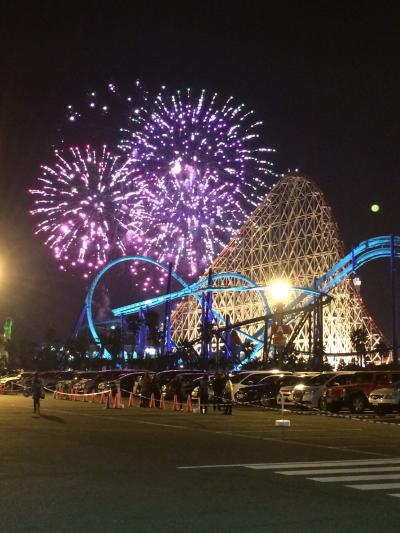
x,y
335,479
395,495
375,486
339,471
274,466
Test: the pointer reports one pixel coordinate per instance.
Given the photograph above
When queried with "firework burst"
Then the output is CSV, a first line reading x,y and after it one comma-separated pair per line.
x,y
204,170
87,211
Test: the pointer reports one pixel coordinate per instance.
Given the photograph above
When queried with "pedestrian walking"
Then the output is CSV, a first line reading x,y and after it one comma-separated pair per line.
x,y
37,393
228,396
203,395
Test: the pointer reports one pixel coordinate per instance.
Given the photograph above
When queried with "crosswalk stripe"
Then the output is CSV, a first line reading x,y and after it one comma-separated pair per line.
x,y
335,479
375,486
355,462
338,470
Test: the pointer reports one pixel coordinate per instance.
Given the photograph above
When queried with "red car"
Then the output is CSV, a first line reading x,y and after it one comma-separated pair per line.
x,y
351,390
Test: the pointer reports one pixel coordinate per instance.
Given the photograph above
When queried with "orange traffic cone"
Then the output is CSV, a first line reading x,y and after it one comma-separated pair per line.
x,y
152,400
189,407
116,401
175,405
162,402
93,397
103,398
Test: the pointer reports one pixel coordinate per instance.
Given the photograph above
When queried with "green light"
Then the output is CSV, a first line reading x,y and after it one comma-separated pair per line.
x,y
375,208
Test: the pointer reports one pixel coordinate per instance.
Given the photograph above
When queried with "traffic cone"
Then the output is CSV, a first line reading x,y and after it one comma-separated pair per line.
x,y
175,405
162,402
131,402
103,398
152,400
116,401
189,407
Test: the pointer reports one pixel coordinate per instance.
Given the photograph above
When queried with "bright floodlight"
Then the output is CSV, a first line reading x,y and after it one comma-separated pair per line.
x,y
279,290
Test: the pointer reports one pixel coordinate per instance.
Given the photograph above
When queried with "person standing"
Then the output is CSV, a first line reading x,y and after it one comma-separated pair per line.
x,y
203,394
228,396
37,388
218,389
145,390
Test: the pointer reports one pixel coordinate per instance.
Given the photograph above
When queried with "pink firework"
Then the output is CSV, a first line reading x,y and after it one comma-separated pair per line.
x,y
87,209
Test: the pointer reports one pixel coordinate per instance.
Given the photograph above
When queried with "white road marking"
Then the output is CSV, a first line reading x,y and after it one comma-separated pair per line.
x,y
339,471
277,466
335,479
375,486
395,495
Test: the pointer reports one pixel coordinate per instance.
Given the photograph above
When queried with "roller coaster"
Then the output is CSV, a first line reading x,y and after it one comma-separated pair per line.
x,y
305,300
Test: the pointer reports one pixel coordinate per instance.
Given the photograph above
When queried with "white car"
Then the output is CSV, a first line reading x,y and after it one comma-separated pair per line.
x,y
386,399
286,391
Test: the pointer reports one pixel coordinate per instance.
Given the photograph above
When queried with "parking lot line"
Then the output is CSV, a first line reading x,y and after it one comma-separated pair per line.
x,y
372,477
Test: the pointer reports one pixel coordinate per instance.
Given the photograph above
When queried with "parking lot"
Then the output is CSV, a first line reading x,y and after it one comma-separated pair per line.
x,y
85,468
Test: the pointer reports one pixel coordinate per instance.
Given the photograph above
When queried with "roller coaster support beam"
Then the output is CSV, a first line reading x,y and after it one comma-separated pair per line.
x,y
394,300
166,345
228,348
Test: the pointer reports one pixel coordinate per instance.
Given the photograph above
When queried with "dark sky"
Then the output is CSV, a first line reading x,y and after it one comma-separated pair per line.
x,y
323,77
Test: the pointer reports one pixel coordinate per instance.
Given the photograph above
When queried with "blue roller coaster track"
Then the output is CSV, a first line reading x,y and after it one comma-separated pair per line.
x,y
369,250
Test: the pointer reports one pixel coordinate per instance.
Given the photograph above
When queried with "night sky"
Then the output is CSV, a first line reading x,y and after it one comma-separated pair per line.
x,y
323,77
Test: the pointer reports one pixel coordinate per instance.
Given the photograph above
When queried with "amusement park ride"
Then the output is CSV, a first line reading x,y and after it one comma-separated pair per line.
x,y
292,235
272,326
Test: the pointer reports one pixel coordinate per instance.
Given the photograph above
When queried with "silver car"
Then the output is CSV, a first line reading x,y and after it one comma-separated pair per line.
x,y
310,395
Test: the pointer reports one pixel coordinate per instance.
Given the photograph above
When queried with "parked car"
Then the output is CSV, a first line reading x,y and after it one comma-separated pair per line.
x,y
128,382
89,381
195,387
310,394
352,390
9,381
290,384
244,379
66,381
385,399
264,392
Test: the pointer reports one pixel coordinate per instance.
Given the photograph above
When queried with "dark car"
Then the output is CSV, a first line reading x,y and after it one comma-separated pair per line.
x,y
266,391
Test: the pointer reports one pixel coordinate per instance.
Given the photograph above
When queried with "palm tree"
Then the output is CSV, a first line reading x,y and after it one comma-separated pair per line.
x,y
358,339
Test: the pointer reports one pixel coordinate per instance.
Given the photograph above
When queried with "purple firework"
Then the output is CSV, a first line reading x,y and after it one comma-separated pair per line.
x,y
204,170
87,210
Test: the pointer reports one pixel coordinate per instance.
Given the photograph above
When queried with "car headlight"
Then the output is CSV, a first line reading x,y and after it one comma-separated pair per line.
x,y
299,387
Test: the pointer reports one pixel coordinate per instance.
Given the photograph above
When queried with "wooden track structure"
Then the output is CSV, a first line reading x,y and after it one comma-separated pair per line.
x,y
292,234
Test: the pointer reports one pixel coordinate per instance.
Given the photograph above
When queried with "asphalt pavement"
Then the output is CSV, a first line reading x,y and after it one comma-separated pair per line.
x,y
80,467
